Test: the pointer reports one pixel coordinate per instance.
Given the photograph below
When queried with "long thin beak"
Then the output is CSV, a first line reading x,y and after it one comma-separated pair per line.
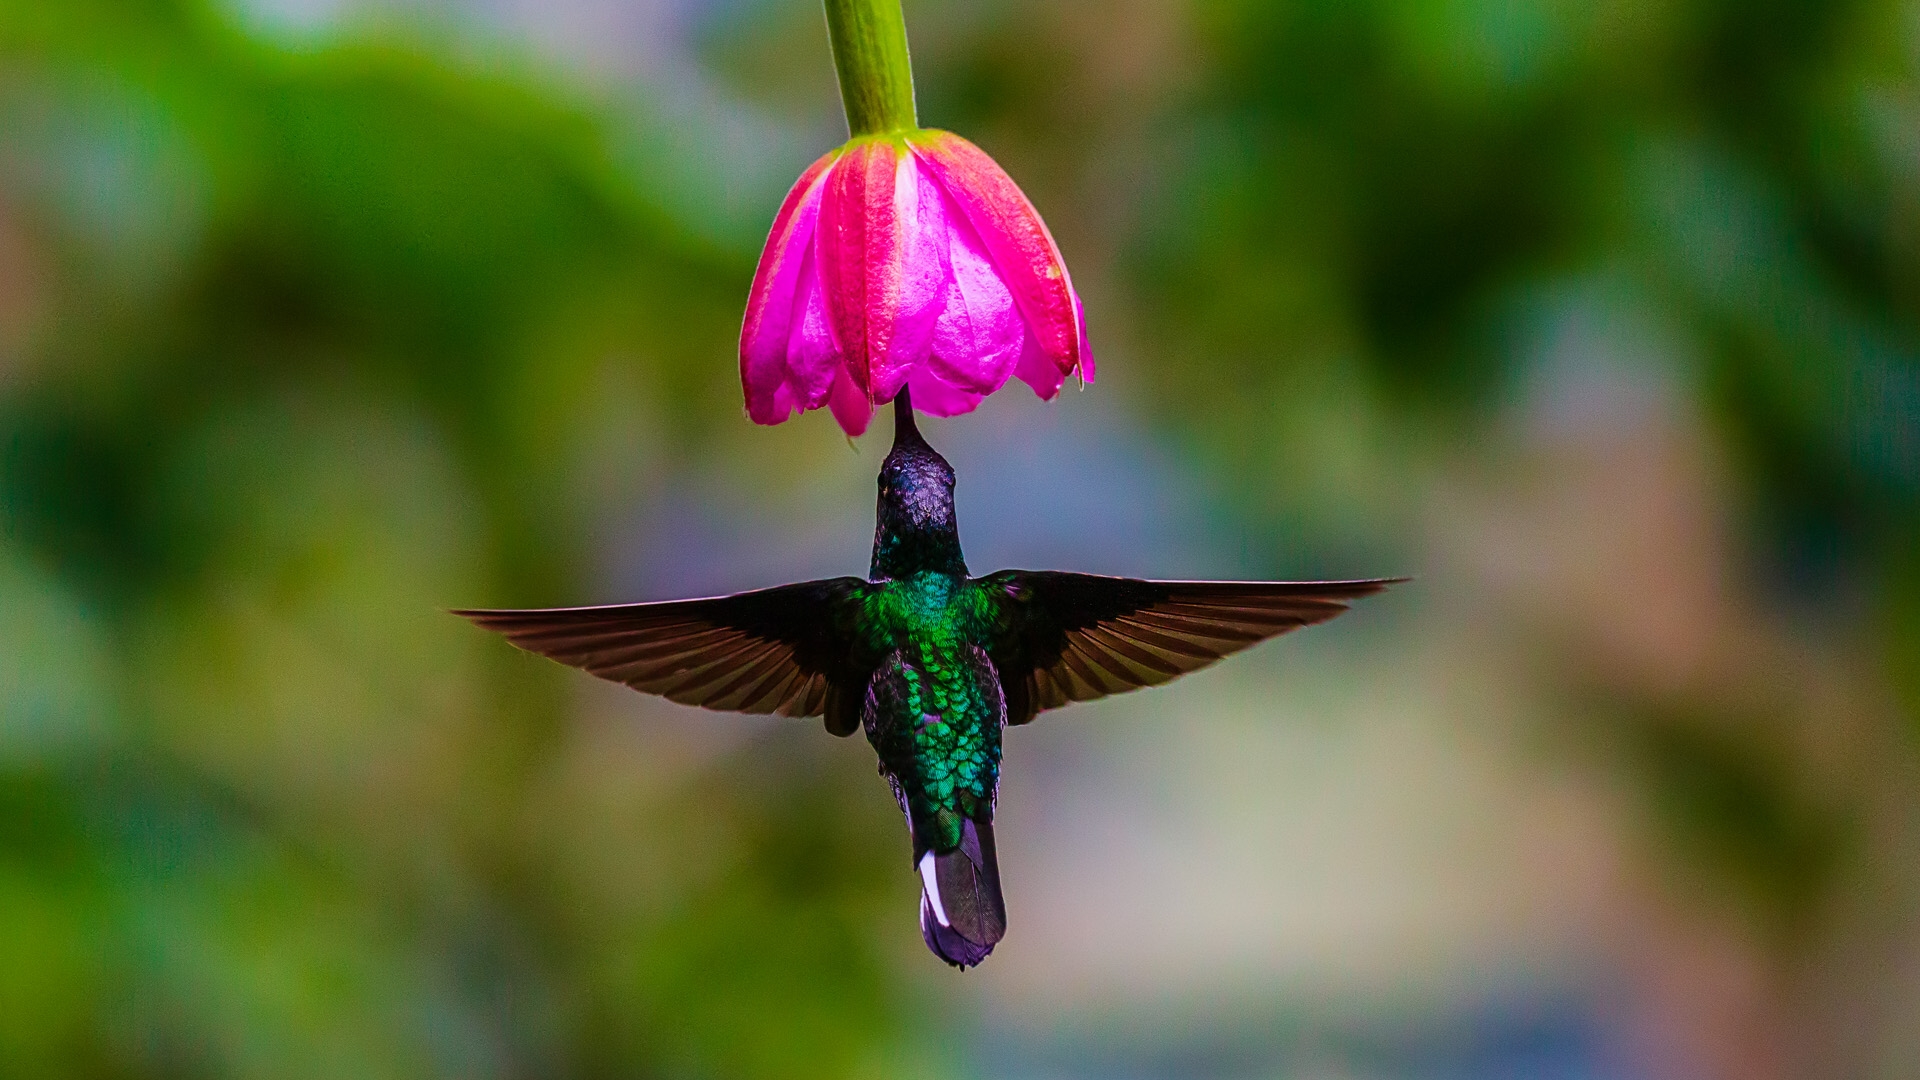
x,y
904,429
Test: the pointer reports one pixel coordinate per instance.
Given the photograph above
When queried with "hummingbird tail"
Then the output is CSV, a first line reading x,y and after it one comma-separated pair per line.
x,y
962,914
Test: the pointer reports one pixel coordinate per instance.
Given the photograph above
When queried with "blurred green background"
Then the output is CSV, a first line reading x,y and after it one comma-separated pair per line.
x,y
318,317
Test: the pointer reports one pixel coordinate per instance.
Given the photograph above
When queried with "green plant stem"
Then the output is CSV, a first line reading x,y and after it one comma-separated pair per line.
x,y
870,52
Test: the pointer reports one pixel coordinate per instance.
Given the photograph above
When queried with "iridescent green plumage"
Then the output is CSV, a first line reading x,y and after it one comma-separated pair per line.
x,y
937,718
933,664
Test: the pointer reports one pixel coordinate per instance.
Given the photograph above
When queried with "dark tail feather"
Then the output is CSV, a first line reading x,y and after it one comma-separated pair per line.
x,y
962,914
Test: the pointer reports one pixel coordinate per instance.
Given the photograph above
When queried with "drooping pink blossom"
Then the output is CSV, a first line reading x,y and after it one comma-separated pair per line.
x,y
906,260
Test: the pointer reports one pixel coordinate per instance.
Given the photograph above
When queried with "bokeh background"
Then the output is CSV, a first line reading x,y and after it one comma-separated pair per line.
x,y
318,317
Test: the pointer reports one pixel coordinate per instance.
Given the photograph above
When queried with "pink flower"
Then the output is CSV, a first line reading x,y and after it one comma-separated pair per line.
x,y
906,260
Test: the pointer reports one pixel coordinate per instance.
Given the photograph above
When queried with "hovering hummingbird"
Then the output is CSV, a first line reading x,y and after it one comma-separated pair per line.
x,y
931,663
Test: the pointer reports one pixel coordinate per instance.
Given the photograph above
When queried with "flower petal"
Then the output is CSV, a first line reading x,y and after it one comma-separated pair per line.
x,y
937,397
849,403
903,261
978,335
880,268
1086,345
813,357
852,226
1018,241
1037,369
764,331
921,282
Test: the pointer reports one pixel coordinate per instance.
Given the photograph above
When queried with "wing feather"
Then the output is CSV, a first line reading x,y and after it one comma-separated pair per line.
x,y
1078,637
807,699
772,691
722,679
775,650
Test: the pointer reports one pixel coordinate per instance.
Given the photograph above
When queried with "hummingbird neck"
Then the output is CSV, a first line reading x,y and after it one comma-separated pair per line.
x,y
915,530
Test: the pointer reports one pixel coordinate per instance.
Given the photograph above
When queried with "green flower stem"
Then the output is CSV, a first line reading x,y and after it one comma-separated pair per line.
x,y
870,52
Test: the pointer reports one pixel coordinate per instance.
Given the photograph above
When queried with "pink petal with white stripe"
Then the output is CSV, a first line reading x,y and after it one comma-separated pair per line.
x,y
857,231
920,280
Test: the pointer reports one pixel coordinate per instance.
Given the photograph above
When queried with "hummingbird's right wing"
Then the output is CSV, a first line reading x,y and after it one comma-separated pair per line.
x,y
1076,637
789,650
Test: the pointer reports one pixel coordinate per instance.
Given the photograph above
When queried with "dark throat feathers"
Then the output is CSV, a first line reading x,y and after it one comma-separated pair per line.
x,y
915,531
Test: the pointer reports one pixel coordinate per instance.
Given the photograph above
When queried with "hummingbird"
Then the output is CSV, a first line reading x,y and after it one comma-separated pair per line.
x,y
931,663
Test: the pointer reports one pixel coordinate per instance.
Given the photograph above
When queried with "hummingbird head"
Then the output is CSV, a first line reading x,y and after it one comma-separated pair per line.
x,y
915,529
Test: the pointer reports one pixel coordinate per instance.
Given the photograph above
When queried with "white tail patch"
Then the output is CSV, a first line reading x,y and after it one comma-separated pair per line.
x,y
932,888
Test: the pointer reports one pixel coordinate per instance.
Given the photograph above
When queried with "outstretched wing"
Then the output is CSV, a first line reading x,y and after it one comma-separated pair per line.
x,y
788,650
1076,637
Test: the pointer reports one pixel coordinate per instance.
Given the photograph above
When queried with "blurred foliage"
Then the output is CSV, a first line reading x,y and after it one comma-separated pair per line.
x,y
1368,194
299,345
1735,804
1364,190
1367,201
329,342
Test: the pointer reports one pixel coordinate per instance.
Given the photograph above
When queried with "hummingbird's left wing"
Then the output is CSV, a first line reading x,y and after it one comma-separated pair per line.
x,y
789,650
1076,637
